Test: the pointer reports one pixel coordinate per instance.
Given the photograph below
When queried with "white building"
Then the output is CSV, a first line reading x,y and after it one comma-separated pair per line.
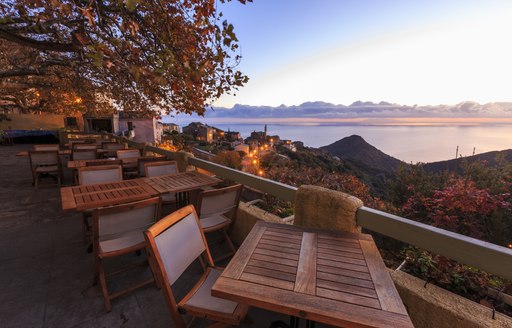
x,y
141,129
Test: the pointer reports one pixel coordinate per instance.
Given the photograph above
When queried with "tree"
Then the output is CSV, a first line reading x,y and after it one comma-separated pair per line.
x,y
229,158
62,55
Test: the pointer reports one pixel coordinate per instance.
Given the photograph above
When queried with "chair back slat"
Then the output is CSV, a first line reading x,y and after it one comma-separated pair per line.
x,y
179,246
128,153
155,169
46,147
113,225
99,174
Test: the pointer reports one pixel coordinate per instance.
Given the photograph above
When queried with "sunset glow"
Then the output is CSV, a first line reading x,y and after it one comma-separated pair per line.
x,y
407,53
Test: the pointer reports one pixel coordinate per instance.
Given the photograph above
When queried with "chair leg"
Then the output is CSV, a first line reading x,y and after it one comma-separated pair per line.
x,y
104,290
230,244
85,228
96,270
228,240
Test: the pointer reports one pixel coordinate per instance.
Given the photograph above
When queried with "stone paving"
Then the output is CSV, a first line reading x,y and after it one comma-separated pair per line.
x,y
46,272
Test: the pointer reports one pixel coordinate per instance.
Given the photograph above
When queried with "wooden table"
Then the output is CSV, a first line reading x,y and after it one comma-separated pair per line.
x,y
337,279
81,198
181,182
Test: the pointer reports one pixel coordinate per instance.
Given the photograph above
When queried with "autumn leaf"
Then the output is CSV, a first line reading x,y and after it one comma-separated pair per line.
x,y
88,13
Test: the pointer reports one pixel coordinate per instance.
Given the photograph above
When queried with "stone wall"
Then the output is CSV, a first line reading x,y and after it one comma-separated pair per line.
x,y
435,307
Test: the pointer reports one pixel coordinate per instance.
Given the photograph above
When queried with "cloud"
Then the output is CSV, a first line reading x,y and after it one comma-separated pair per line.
x,y
360,109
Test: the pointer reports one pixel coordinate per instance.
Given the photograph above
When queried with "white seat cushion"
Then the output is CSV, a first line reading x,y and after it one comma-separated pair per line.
x,y
213,221
126,240
203,298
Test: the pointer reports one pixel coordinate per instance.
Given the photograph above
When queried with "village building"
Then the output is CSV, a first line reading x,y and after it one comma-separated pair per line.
x,y
232,136
202,132
139,128
274,139
169,127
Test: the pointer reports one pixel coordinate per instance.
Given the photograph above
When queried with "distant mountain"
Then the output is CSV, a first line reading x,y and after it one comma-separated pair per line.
x,y
374,167
455,165
363,109
355,149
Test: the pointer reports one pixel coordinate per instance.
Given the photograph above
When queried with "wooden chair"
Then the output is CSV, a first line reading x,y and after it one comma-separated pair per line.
x,y
82,154
147,159
47,147
45,163
129,171
92,175
128,153
118,230
158,168
217,209
99,174
112,148
154,169
174,243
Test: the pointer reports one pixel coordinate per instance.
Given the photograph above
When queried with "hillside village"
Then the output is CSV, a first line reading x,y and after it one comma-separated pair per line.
x,y
213,143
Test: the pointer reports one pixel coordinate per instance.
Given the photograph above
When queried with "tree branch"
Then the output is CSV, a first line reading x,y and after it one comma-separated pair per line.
x,y
36,44
26,71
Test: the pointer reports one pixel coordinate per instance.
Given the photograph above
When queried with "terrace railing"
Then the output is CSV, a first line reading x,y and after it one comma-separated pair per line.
x,y
470,251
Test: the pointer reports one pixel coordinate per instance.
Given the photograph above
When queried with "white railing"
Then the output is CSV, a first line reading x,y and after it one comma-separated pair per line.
x,y
483,255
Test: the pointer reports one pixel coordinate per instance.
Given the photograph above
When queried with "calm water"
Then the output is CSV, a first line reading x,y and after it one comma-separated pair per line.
x,y
407,143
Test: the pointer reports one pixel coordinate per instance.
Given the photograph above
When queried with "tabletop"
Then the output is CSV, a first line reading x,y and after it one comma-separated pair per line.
x,y
181,182
81,198
334,278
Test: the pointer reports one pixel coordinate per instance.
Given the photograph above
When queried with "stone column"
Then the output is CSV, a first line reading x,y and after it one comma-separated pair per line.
x,y
182,158
323,208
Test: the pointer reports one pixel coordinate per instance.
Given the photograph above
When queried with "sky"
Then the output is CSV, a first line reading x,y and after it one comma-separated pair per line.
x,y
406,52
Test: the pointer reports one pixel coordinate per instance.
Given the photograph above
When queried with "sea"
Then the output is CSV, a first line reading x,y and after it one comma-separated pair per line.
x,y
409,143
